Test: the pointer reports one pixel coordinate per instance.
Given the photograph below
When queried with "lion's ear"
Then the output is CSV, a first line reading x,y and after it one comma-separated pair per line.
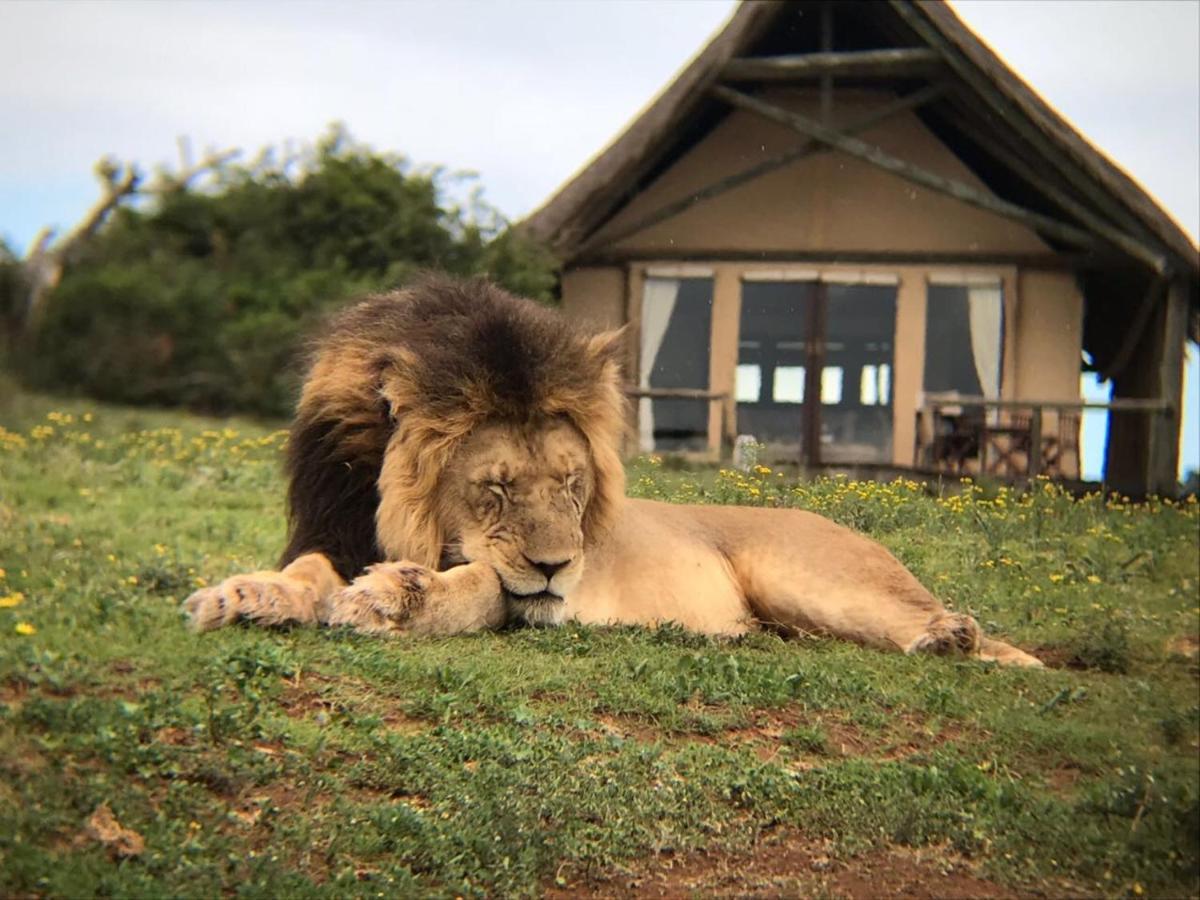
x,y
607,350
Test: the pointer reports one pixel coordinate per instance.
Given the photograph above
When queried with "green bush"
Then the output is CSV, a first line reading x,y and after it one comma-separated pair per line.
x,y
202,298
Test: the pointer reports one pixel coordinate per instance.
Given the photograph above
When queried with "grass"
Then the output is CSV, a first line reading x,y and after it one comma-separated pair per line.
x,y
320,763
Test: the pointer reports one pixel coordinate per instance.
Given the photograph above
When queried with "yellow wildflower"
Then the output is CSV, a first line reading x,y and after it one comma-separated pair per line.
x,y
25,629
8,601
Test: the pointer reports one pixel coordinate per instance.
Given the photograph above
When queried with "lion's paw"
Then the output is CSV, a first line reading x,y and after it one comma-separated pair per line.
x,y
266,597
952,633
383,599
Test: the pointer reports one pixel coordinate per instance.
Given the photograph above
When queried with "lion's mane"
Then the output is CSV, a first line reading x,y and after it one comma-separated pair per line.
x,y
399,380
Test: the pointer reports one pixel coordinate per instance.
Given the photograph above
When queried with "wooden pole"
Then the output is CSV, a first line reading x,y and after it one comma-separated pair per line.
x,y
1163,462
1034,466
902,62
827,50
809,147
813,374
875,156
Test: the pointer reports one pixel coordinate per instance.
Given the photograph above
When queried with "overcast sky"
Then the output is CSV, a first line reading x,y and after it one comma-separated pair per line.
x,y
521,92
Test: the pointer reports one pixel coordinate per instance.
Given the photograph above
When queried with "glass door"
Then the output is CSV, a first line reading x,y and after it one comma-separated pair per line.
x,y
856,373
773,358
814,375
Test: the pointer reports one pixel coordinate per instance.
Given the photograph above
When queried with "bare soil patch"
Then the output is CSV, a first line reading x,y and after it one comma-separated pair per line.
x,y
790,865
766,735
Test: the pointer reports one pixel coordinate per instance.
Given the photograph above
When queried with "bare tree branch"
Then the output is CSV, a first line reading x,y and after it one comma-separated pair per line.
x,y
43,266
189,171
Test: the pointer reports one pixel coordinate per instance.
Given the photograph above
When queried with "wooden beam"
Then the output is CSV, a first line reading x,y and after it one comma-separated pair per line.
x,y
1053,262
674,393
808,148
1118,404
904,62
1012,116
875,156
1011,159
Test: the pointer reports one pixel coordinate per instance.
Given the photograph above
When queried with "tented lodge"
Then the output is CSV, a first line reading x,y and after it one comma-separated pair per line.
x,y
850,231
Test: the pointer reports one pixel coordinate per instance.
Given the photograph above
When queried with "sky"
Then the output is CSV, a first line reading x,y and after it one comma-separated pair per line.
x,y
522,92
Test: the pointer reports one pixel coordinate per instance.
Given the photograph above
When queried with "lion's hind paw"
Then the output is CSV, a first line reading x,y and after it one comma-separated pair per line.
x,y
949,634
267,598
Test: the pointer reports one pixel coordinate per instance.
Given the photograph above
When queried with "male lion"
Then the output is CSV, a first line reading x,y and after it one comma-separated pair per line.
x,y
454,466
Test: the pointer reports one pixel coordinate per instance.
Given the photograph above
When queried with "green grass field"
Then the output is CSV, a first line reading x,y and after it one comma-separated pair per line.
x,y
612,761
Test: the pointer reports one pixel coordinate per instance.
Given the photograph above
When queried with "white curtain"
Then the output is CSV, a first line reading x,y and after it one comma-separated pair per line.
x,y
658,303
985,311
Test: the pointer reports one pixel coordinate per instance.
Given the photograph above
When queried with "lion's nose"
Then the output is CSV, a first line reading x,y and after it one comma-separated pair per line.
x,y
549,569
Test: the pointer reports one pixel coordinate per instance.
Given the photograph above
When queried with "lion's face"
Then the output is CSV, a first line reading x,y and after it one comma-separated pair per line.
x,y
515,498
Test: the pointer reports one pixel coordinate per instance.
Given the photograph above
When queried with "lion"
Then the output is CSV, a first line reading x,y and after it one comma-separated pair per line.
x,y
454,465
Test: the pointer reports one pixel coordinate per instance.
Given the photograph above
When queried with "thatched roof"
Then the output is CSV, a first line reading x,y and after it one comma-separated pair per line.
x,y
684,111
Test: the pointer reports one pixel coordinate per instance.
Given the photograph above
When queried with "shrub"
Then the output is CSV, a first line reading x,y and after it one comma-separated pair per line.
x,y
202,297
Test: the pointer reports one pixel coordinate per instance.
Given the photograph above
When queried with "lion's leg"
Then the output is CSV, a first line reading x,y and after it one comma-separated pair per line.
x,y
907,619
1007,655
404,598
879,604
267,598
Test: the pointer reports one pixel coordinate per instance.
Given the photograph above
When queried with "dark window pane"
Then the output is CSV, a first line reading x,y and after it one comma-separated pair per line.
x,y
949,363
964,335
676,332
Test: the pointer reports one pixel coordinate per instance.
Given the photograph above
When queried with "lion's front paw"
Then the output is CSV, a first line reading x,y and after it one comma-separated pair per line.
x,y
266,597
383,599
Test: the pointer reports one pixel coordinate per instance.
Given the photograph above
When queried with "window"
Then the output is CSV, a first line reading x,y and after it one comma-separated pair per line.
x,y
875,385
789,384
831,385
676,325
748,384
964,338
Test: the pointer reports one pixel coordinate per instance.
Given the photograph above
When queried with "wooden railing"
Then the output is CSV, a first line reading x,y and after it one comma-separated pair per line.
x,y
945,434
713,442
